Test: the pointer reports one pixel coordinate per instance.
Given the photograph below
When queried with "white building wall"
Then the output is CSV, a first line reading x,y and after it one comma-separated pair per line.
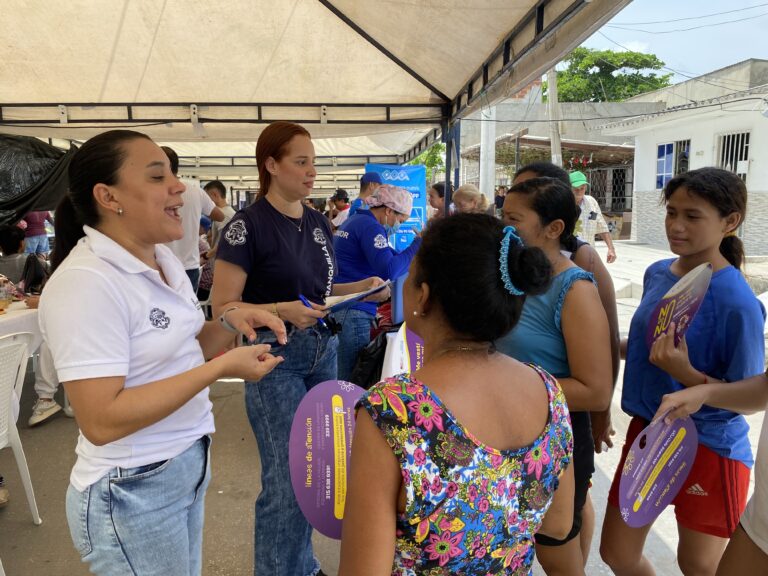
x,y
702,130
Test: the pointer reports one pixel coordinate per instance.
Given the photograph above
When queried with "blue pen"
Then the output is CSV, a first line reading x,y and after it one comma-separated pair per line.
x,y
308,305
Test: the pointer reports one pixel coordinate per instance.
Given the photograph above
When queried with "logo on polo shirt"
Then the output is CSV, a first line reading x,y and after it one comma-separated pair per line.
x,y
319,237
159,319
342,234
380,241
236,233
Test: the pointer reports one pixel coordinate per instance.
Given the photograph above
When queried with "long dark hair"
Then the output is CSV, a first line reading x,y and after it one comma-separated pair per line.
x,y
272,143
726,192
552,200
459,260
96,162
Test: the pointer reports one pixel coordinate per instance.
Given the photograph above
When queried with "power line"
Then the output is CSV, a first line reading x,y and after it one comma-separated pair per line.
x,y
668,68
689,17
686,29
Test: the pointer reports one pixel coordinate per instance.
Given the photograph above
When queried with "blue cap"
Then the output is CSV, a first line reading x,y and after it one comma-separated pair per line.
x,y
369,177
205,222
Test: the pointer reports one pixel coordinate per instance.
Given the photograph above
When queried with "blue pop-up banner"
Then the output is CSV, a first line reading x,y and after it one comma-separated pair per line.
x,y
413,179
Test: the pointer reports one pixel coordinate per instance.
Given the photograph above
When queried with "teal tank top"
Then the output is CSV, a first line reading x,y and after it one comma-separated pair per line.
x,y
538,338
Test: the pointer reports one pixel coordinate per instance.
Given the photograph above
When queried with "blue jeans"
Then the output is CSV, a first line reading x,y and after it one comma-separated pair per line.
x,y
37,244
282,539
355,335
144,521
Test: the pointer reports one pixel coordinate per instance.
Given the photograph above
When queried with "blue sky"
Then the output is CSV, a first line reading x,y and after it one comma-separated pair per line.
x,y
693,52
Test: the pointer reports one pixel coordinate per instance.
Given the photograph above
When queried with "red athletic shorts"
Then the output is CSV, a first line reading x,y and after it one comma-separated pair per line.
x,y
714,494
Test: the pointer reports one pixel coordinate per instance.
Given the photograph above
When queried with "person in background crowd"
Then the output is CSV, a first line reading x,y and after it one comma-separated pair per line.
x,y
362,250
436,197
747,550
340,202
587,258
273,253
498,200
592,223
137,374
36,235
368,183
565,331
218,193
468,198
723,343
14,256
196,204
206,263
454,466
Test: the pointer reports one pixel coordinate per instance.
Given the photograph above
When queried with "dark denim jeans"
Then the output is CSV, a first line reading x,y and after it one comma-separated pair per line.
x,y
282,539
355,335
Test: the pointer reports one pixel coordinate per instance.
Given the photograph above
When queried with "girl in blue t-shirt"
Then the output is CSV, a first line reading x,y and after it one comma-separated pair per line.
x,y
724,343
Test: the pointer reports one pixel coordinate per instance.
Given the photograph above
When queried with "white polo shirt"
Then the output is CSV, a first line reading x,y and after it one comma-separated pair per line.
x,y
105,313
196,203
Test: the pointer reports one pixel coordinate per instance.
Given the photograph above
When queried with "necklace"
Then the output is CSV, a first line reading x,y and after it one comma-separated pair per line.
x,y
487,349
291,220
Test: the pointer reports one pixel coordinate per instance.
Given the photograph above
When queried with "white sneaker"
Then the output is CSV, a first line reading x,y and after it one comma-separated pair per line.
x,y
43,409
4,496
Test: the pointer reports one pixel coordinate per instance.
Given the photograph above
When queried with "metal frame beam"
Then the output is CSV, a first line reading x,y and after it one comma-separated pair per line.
x,y
352,24
88,113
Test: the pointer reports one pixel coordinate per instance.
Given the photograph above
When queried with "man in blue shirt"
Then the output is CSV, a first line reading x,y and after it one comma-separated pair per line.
x,y
368,183
362,250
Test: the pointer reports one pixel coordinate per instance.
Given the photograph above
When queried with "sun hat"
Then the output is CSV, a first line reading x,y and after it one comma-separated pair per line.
x,y
399,199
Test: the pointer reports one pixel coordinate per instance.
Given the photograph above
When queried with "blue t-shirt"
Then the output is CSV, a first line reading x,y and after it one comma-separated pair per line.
x,y
281,261
538,336
357,204
362,251
725,341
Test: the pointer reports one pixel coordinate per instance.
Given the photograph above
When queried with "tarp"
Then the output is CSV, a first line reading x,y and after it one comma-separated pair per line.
x,y
33,176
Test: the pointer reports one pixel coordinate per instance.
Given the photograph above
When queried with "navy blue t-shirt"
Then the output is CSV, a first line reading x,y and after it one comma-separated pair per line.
x,y
281,261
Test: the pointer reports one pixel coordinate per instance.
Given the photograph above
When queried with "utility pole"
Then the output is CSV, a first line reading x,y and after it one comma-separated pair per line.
x,y
488,152
553,109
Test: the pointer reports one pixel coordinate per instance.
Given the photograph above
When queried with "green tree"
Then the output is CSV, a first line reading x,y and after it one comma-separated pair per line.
x,y
608,76
432,158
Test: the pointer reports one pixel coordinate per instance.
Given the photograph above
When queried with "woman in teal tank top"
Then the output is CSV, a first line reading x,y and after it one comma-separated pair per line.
x,y
565,331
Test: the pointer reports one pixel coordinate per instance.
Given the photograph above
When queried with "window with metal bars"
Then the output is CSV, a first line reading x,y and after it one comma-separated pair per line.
x,y
733,153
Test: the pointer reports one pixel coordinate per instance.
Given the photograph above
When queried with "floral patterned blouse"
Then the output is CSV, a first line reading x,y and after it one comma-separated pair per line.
x,y
470,509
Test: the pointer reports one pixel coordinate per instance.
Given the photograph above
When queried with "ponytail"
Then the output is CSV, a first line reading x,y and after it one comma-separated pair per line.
x,y
68,229
732,249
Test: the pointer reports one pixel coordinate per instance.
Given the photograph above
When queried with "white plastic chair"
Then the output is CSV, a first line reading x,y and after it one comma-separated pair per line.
x,y
14,354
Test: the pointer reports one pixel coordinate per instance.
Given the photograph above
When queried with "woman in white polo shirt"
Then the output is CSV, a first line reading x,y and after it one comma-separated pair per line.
x,y
130,344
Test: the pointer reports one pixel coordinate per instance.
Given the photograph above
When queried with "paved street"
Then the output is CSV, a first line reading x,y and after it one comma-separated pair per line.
x,y
28,550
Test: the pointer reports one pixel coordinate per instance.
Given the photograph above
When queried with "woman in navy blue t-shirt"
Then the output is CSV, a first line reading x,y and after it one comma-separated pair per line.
x,y
271,254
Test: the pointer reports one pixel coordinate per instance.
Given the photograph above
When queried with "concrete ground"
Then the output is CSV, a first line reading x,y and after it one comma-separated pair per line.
x,y
46,550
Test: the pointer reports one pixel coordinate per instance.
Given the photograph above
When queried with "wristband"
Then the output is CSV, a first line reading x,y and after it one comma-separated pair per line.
x,y
226,325
275,312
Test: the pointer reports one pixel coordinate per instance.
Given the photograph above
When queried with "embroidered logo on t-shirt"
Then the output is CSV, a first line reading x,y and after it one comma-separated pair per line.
x,y
319,237
159,319
236,233
380,241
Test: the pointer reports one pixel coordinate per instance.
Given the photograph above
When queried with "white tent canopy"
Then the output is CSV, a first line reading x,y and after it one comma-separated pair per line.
x,y
368,78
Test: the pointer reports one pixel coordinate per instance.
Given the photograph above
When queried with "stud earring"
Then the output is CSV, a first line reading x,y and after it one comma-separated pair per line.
x,y
415,313
119,211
